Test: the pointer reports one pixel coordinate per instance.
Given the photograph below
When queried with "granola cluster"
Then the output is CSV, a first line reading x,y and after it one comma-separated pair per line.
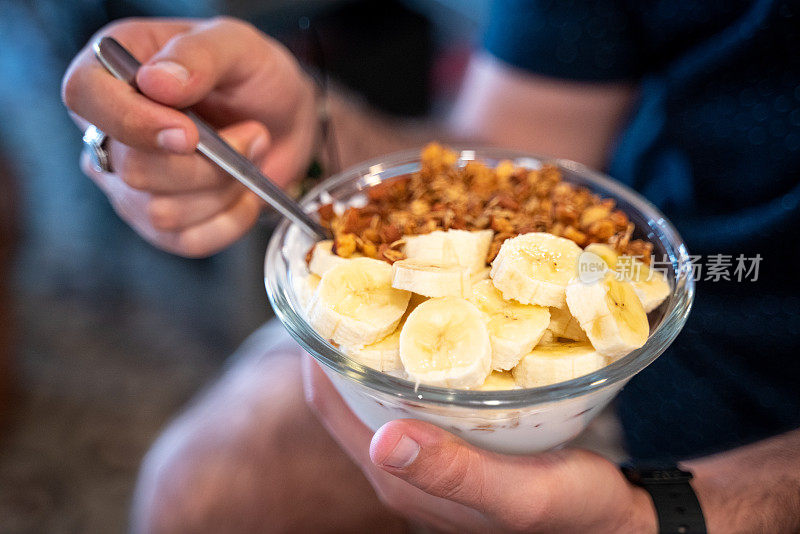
x,y
510,200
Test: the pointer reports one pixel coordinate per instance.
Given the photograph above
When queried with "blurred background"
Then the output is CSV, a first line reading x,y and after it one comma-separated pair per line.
x,y
103,338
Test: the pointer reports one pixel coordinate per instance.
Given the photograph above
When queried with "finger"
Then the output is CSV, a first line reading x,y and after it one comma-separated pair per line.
x,y
118,109
446,466
218,53
201,240
215,234
177,173
171,213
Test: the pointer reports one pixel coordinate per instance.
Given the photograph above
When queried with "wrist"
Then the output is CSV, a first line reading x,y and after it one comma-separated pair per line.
x,y
642,516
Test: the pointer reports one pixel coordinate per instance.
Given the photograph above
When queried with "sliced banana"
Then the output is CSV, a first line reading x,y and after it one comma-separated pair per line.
x,y
383,355
498,381
606,253
610,313
451,247
431,280
548,338
355,303
482,274
445,342
323,259
557,362
514,328
650,285
413,302
563,324
535,268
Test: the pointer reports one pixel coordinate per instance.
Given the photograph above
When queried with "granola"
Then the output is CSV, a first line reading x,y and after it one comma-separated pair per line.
x,y
507,199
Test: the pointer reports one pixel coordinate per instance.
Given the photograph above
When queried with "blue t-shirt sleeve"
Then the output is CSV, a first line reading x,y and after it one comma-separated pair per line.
x,y
591,40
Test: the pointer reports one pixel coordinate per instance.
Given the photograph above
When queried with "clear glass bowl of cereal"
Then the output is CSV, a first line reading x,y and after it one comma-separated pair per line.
x,y
518,421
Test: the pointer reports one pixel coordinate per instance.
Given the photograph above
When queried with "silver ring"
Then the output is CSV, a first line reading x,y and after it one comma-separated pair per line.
x,y
94,142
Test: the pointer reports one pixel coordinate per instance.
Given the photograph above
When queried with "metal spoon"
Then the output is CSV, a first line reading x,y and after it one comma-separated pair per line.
x,y
123,66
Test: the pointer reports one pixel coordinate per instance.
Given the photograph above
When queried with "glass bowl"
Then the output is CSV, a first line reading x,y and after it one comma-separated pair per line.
x,y
515,421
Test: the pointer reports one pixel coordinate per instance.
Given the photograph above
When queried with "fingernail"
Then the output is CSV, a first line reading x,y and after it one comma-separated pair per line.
x,y
403,454
258,148
173,139
175,70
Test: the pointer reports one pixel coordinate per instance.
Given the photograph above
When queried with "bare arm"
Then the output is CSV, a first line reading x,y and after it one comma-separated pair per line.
x,y
755,488
502,106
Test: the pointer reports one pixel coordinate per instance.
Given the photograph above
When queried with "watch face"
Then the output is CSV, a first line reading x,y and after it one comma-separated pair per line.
x,y
650,475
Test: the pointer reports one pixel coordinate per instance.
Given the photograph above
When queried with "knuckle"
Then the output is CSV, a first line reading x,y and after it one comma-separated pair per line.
x,y
120,26
192,244
227,21
123,29
453,479
131,175
163,214
132,125
70,89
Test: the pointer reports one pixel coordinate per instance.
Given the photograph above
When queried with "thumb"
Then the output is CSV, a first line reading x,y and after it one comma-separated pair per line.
x,y
193,63
445,466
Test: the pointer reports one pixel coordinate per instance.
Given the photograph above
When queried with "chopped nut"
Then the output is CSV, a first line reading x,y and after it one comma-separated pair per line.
x,y
344,245
593,214
566,214
619,218
570,232
366,247
419,208
601,229
390,233
326,213
389,254
501,224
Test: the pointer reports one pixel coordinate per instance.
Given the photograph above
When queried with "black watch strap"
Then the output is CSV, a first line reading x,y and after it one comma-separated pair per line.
x,y
676,504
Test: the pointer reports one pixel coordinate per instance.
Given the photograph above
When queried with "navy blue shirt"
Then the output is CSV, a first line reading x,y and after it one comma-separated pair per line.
x,y
714,142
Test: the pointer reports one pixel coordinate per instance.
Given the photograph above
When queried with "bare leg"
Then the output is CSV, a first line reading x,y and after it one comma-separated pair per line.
x,y
249,456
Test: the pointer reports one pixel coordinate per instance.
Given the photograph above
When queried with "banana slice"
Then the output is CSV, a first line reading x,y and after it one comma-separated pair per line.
x,y
514,328
482,274
355,303
563,324
557,362
445,342
548,338
451,247
415,300
610,313
431,280
323,259
383,355
606,253
535,268
650,285
497,381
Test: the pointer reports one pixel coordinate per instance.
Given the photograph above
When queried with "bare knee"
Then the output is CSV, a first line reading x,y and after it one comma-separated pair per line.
x,y
214,469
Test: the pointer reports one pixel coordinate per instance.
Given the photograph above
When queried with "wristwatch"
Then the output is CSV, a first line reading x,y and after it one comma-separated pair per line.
x,y
676,504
